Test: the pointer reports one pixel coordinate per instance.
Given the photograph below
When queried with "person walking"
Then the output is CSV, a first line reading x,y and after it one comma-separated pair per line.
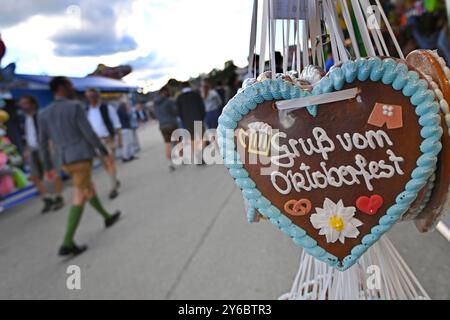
x,y
141,113
127,132
29,106
64,122
166,114
134,123
191,109
213,104
106,124
222,91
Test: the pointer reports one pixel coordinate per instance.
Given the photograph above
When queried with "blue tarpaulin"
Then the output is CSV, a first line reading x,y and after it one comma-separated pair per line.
x,y
37,86
44,97
81,84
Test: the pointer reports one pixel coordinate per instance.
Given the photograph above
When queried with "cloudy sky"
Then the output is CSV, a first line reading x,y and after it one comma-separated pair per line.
x,y
159,38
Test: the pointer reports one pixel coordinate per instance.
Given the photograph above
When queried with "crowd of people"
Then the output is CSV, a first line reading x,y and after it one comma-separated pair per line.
x,y
420,24
188,108
67,135
62,140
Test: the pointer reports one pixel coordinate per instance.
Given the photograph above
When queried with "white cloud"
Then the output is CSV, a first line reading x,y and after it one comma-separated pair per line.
x,y
193,35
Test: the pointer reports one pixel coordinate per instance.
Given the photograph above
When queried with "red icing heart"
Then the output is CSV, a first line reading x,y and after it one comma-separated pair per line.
x,y
370,205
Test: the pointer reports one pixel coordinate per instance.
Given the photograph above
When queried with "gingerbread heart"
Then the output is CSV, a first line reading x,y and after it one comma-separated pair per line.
x,y
369,205
332,154
438,74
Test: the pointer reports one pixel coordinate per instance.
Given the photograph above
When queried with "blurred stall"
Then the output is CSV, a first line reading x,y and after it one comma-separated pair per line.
x,y
14,188
37,85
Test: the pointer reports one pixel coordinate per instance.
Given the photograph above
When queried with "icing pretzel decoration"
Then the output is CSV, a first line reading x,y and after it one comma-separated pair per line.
x,y
298,208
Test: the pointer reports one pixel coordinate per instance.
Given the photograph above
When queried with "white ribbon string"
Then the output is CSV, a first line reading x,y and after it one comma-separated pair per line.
x,y
288,35
317,280
285,25
337,44
252,47
294,52
305,46
272,29
262,51
283,29
349,24
366,8
383,42
297,25
308,33
313,29
293,67
377,27
334,45
331,33
363,28
305,35
339,34
332,4
316,100
321,55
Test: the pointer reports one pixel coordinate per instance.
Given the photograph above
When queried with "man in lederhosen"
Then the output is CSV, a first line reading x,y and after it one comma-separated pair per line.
x,y
30,107
106,124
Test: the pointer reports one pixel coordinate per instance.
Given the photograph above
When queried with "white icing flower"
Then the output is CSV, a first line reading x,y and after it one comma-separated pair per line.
x,y
336,221
260,127
311,74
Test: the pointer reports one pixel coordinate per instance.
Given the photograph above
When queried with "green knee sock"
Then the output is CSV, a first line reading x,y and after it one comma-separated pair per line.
x,y
95,202
72,224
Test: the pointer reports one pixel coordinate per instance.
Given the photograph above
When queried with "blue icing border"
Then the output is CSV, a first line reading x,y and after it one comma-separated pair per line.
x,y
389,72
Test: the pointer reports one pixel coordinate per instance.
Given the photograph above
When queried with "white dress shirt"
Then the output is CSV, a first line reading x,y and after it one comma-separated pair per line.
x,y
213,101
31,133
96,120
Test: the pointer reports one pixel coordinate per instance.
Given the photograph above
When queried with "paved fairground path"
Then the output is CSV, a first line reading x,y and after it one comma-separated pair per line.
x,y
183,235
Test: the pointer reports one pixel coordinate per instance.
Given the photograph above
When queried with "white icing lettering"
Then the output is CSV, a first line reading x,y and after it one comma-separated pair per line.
x,y
348,146
361,172
305,180
378,137
372,139
359,141
273,178
396,161
282,152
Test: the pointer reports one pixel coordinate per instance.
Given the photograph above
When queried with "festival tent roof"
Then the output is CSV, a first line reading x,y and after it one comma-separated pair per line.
x,y
81,84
